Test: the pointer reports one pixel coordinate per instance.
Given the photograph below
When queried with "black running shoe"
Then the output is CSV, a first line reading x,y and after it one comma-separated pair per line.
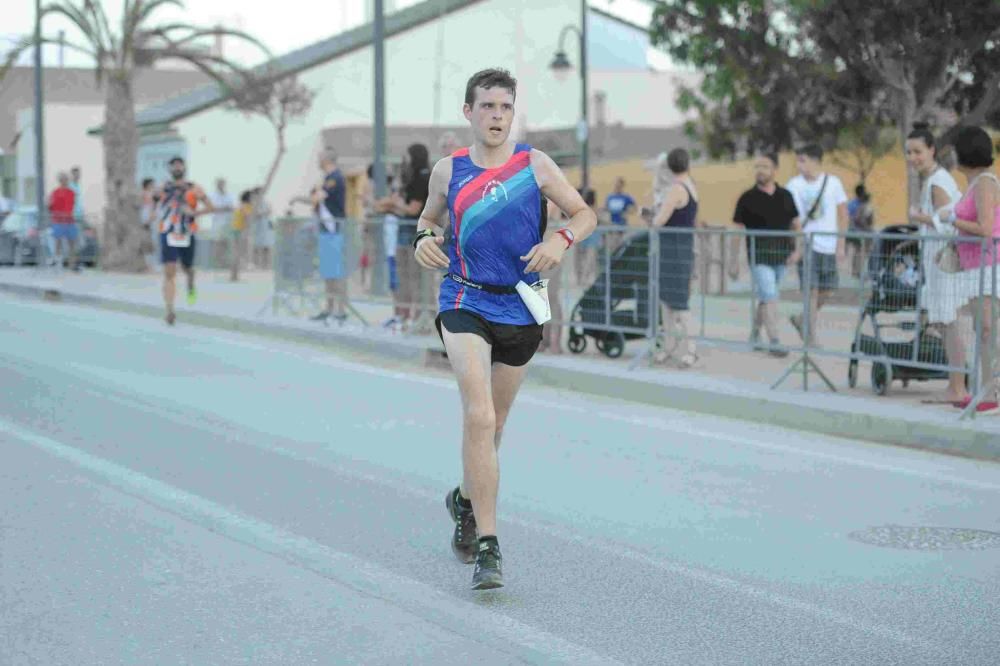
x,y
488,574
464,541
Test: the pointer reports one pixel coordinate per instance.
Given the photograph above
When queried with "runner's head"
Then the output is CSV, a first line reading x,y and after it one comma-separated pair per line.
x,y
765,168
489,105
177,168
809,159
619,185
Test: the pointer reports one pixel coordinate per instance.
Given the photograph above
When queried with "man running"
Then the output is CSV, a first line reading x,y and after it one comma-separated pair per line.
x,y
177,214
492,192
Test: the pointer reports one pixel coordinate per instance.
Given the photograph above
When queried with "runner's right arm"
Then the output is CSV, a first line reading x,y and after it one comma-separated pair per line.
x,y
429,253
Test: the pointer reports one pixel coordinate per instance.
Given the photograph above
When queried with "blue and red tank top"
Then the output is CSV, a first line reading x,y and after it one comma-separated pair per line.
x,y
496,218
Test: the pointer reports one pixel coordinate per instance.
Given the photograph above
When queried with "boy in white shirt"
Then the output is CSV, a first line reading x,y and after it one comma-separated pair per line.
x,y
822,204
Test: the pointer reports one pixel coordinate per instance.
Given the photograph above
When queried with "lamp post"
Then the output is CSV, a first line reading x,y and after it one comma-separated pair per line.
x,y
561,66
39,120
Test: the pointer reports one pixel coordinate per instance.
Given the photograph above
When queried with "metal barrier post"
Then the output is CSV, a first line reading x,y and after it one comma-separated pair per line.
x,y
704,291
805,363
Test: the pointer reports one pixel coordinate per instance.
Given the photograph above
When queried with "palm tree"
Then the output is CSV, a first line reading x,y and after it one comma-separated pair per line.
x,y
139,41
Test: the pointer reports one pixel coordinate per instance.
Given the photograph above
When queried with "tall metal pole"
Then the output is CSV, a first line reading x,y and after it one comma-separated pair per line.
x,y
585,128
380,280
39,128
378,171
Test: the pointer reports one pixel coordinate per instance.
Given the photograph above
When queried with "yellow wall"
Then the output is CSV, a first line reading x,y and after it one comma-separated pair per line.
x,y
720,185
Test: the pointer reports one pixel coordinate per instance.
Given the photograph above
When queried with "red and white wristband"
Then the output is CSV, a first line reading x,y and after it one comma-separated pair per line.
x,y
567,236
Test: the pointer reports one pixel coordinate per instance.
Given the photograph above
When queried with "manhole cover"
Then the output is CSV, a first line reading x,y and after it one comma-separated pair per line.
x,y
927,538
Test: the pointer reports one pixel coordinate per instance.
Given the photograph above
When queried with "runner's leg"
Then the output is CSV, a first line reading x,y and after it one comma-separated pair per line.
x,y
469,355
169,286
506,382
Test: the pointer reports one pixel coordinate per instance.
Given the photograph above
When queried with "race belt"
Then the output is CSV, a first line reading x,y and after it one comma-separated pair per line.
x,y
488,288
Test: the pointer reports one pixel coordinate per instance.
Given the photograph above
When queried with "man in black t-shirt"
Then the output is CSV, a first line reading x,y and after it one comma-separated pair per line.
x,y
407,206
766,207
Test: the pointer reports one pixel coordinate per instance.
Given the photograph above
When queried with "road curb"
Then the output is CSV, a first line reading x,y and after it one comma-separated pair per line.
x,y
958,438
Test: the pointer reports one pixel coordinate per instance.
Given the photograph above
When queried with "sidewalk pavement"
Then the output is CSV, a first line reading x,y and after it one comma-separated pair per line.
x,y
724,382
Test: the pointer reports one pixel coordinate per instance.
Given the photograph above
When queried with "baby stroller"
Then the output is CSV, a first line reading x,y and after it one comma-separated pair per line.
x,y
628,300
894,277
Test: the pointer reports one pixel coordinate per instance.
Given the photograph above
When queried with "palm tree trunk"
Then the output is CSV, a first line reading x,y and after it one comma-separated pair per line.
x,y
275,163
123,234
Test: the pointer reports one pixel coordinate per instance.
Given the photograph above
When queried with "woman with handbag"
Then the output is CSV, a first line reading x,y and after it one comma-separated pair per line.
x,y
942,293
978,215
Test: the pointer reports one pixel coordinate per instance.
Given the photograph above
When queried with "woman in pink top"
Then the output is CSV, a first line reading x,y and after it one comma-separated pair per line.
x,y
978,214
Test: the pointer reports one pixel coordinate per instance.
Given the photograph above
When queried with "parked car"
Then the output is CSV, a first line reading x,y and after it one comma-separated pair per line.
x,y
21,242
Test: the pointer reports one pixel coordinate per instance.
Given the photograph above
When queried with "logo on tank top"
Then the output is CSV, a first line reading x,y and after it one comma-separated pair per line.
x,y
465,180
495,191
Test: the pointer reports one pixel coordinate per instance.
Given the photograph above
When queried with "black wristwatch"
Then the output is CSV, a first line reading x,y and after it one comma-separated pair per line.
x,y
422,234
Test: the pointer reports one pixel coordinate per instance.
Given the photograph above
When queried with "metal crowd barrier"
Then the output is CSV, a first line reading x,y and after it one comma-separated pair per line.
x,y
880,311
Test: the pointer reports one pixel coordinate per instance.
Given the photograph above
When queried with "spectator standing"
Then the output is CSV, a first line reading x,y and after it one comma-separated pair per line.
x,y
330,206
416,179
585,261
941,291
768,207
861,218
77,187
62,202
822,204
678,211
263,229
237,233
619,204
225,205
977,214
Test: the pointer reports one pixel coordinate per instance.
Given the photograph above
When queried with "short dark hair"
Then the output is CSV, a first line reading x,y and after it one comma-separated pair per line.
x,y
813,150
176,158
767,154
146,182
245,196
489,78
678,160
974,148
923,132
861,192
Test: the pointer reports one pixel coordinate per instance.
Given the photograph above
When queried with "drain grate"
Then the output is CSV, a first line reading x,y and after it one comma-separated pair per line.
x,y
927,538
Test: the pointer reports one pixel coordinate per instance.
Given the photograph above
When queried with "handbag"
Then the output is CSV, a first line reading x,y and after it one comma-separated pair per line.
x,y
947,259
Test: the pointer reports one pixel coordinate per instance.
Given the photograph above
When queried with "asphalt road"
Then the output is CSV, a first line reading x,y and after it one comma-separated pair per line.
x,y
182,496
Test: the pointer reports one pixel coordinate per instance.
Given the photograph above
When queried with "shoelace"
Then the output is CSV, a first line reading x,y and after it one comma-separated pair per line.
x,y
466,522
488,559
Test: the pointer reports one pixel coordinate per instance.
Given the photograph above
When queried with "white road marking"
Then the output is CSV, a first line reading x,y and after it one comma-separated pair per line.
x,y
424,601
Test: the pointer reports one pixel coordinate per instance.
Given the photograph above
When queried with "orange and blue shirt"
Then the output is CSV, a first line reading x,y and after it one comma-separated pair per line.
x,y
496,218
178,199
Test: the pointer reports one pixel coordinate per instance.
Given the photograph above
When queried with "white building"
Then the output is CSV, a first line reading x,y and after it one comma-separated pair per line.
x,y
433,47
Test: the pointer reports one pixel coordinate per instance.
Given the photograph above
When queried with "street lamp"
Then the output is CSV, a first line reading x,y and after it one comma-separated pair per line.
x,y
561,67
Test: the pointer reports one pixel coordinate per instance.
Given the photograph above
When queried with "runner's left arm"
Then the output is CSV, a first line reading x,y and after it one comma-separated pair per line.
x,y
582,219
206,204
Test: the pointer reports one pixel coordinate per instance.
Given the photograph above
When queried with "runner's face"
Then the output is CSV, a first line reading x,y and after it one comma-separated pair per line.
x,y
177,170
763,171
491,115
919,155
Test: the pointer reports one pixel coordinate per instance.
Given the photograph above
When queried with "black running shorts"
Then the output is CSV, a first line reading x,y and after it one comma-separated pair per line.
x,y
511,345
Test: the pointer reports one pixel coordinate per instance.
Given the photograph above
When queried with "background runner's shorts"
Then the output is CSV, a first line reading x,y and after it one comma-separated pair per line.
x,y
512,345
169,254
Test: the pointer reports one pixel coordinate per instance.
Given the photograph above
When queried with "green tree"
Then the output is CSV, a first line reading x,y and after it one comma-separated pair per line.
x,y
118,51
780,71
